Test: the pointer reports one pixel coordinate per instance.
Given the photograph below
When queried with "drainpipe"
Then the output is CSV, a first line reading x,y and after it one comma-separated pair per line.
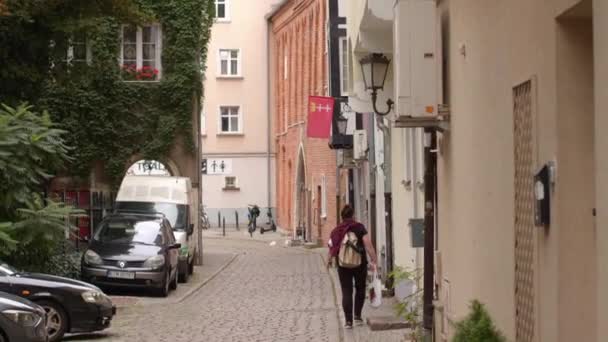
x,y
268,119
430,157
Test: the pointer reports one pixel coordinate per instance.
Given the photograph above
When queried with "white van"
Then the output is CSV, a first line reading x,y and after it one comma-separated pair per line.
x,y
171,196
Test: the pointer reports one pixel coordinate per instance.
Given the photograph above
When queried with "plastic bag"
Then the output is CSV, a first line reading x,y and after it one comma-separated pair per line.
x,y
375,291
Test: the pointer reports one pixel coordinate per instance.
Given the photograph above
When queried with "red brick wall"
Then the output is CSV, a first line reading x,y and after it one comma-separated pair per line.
x,y
299,37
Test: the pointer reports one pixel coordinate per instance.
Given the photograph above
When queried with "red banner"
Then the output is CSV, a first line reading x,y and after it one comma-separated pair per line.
x,y
320,112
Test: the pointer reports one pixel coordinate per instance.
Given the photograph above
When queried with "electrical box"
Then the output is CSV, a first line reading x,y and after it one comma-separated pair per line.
x,y
417,233
345,159
360,145
417,46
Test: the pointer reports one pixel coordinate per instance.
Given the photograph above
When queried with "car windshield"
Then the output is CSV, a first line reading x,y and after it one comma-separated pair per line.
x,y
128,231
175,213
6,269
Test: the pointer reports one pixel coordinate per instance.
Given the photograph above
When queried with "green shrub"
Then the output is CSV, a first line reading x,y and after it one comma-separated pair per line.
x,y
477,326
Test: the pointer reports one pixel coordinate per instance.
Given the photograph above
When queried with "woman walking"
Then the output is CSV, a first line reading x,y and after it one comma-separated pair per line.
x,y
360,242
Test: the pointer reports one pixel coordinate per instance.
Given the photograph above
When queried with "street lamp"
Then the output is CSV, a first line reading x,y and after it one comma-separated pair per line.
x,y
341,123
375,68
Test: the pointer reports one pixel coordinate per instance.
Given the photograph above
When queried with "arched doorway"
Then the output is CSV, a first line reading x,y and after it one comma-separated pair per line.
x,y
302,198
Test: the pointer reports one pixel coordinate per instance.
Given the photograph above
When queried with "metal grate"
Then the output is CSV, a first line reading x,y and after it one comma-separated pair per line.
x,y
524,213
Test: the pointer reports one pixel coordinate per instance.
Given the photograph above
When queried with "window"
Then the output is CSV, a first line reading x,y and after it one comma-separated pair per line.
x,y
78,49
221,10
230,62
230,183
344,66
230,119
323,197
140,52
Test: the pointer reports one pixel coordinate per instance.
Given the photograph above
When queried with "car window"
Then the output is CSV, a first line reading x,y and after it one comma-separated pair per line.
x,y
177,214
130,231
169,233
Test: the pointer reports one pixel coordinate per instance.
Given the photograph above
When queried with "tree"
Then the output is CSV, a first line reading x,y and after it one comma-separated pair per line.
x,y
31,148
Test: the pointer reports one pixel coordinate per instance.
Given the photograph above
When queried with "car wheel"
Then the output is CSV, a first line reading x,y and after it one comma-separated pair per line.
x,y
164,291
175,279
191,264
56,320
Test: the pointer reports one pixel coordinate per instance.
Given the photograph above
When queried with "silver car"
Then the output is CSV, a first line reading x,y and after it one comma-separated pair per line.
x,y
21,320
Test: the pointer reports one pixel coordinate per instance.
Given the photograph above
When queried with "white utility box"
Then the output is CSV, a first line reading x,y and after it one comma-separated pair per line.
x,y
360,145
417,59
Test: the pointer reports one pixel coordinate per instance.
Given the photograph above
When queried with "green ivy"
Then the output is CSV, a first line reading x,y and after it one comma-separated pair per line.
x,y
110,120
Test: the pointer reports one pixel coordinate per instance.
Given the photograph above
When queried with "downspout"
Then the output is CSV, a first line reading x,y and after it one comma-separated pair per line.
x,y
268,119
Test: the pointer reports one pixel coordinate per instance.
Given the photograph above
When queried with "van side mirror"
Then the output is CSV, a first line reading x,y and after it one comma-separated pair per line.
x,y
190,229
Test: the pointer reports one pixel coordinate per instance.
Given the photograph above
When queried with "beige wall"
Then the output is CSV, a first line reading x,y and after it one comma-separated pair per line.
x,y
600,13
502,45
250,152
246,31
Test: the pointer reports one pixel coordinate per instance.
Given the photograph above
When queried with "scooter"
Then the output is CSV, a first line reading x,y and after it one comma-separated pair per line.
x,y
270,223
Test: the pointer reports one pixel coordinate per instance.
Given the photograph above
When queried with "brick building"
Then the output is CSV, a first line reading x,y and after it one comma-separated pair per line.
x,y
306,168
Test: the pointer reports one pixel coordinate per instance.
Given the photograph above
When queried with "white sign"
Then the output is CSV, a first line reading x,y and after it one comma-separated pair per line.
x,y
219,167
148,168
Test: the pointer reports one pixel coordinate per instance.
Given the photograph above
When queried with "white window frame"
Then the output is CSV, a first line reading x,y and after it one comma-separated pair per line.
x,y
240,121
229,64
226,17
203,123
323,196
344,66
139,47
70,52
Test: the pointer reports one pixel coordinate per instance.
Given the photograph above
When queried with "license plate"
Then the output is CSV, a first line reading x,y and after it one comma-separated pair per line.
x,y
121,275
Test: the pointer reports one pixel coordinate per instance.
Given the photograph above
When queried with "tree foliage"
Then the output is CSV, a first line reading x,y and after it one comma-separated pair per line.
x,y
108,120
31,148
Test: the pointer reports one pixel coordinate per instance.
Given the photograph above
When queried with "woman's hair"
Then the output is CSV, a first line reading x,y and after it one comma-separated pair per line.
x,y
347,212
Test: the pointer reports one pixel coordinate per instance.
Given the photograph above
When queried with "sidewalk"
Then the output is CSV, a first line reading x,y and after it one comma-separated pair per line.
x,y
364,333
242,234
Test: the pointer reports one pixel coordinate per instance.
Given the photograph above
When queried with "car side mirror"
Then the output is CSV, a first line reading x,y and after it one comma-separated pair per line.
x,y
190,229
175,246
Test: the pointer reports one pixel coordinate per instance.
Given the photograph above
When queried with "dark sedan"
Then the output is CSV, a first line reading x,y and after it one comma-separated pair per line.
x,y
133,250
70,305
21,320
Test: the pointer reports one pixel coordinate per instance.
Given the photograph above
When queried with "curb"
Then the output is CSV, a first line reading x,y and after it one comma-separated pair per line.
x,y
335,289
204,282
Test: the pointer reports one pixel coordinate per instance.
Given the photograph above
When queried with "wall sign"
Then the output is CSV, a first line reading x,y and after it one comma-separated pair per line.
x,y
216,166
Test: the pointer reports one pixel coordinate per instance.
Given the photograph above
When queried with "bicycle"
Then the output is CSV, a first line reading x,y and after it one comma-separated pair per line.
x,y
254,212
204,219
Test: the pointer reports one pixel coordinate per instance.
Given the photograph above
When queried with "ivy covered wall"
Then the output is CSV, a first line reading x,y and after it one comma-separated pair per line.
x,y
110,120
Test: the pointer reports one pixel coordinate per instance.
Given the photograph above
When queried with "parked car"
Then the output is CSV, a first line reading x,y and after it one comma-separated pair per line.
x,y
171,196
133,250
70,305
21,320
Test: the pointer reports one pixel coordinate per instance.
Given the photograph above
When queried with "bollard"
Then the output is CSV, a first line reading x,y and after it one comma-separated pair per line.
x,y
219,219
224,226
236,216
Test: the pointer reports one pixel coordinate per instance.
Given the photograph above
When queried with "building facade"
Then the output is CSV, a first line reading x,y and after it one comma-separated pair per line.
x,y
521,177
306,167
238,161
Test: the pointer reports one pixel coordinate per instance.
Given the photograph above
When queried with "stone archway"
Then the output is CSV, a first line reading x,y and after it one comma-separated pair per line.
x,y
163,167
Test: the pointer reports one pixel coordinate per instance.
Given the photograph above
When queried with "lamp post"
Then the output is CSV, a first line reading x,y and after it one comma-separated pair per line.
x,y
339,139
375,68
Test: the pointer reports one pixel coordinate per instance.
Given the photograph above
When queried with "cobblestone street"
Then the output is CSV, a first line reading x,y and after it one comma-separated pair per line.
x,y
267,293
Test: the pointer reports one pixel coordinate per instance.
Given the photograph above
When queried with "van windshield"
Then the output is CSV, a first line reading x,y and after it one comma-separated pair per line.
x,y
177,214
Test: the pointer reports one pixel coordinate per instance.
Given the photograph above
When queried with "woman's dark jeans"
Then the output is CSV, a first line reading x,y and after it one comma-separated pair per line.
x,y
347,277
